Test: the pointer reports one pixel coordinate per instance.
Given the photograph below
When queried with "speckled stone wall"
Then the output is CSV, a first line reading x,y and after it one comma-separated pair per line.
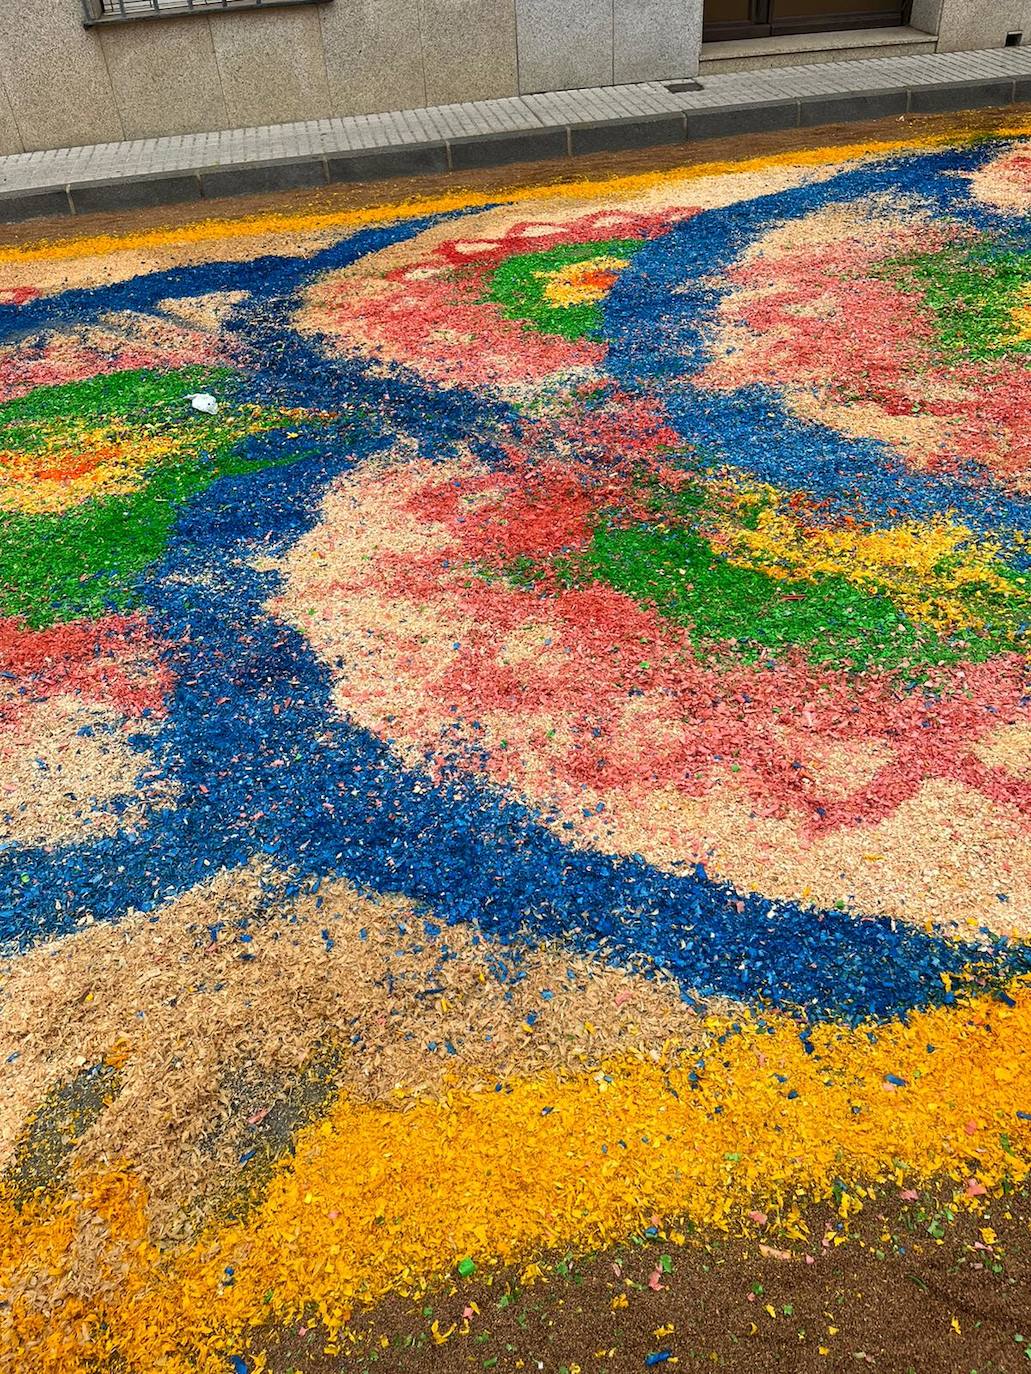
x,y
201,72
62,85
969,24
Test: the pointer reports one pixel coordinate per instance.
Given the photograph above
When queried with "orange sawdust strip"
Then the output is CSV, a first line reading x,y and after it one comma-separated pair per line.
x,y
379,1198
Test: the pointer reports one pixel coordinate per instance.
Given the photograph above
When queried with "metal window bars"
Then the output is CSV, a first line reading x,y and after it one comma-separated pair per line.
x,y
109,11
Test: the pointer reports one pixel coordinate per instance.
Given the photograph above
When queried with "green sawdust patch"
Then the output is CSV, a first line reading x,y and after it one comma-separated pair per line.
x,y
520,285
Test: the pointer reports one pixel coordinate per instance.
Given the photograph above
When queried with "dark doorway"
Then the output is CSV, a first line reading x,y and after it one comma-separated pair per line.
x,y
766,18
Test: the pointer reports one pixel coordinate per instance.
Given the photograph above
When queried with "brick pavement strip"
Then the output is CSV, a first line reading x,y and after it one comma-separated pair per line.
x,y
485,133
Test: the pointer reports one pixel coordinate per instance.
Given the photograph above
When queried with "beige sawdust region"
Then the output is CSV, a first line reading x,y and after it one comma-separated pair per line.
x,y
920,437
943,856
57,785
1008,747
211,1019
872,224
1005,182
51,275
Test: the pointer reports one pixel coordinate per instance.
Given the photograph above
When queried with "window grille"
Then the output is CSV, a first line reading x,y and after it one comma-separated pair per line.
x,y
104,11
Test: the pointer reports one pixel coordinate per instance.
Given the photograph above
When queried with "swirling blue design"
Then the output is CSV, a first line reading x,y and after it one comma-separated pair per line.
x,y
268,767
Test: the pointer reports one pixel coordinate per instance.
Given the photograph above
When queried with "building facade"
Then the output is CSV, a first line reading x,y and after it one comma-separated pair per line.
x,y
75,72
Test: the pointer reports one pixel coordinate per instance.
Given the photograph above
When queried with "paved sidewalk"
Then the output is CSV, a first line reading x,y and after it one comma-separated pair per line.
x,y
487,133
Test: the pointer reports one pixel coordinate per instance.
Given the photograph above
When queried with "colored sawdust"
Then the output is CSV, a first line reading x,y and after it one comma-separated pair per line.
x,y
547,761
376,1198
257,986
935,851
94,474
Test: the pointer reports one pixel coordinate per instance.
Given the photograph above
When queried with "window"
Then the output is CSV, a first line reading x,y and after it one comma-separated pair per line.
x,y
113,11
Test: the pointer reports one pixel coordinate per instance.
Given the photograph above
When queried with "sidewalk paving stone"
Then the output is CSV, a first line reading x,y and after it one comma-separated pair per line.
x,y
485,133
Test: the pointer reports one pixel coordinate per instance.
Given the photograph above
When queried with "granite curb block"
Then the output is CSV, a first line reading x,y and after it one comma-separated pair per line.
x,y
134,193
479,151
498,150
390,162
742,119
255,177
961,95
846,109
19,205
620,136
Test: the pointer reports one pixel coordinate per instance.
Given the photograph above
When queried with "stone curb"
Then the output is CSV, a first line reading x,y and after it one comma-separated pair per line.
x,y
497,150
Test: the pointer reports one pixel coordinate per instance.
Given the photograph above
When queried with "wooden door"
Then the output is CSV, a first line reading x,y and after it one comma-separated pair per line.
x,y
735,19
814,16
763,18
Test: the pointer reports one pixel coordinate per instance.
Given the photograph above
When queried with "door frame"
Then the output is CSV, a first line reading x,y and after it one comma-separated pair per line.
x,y
759,25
